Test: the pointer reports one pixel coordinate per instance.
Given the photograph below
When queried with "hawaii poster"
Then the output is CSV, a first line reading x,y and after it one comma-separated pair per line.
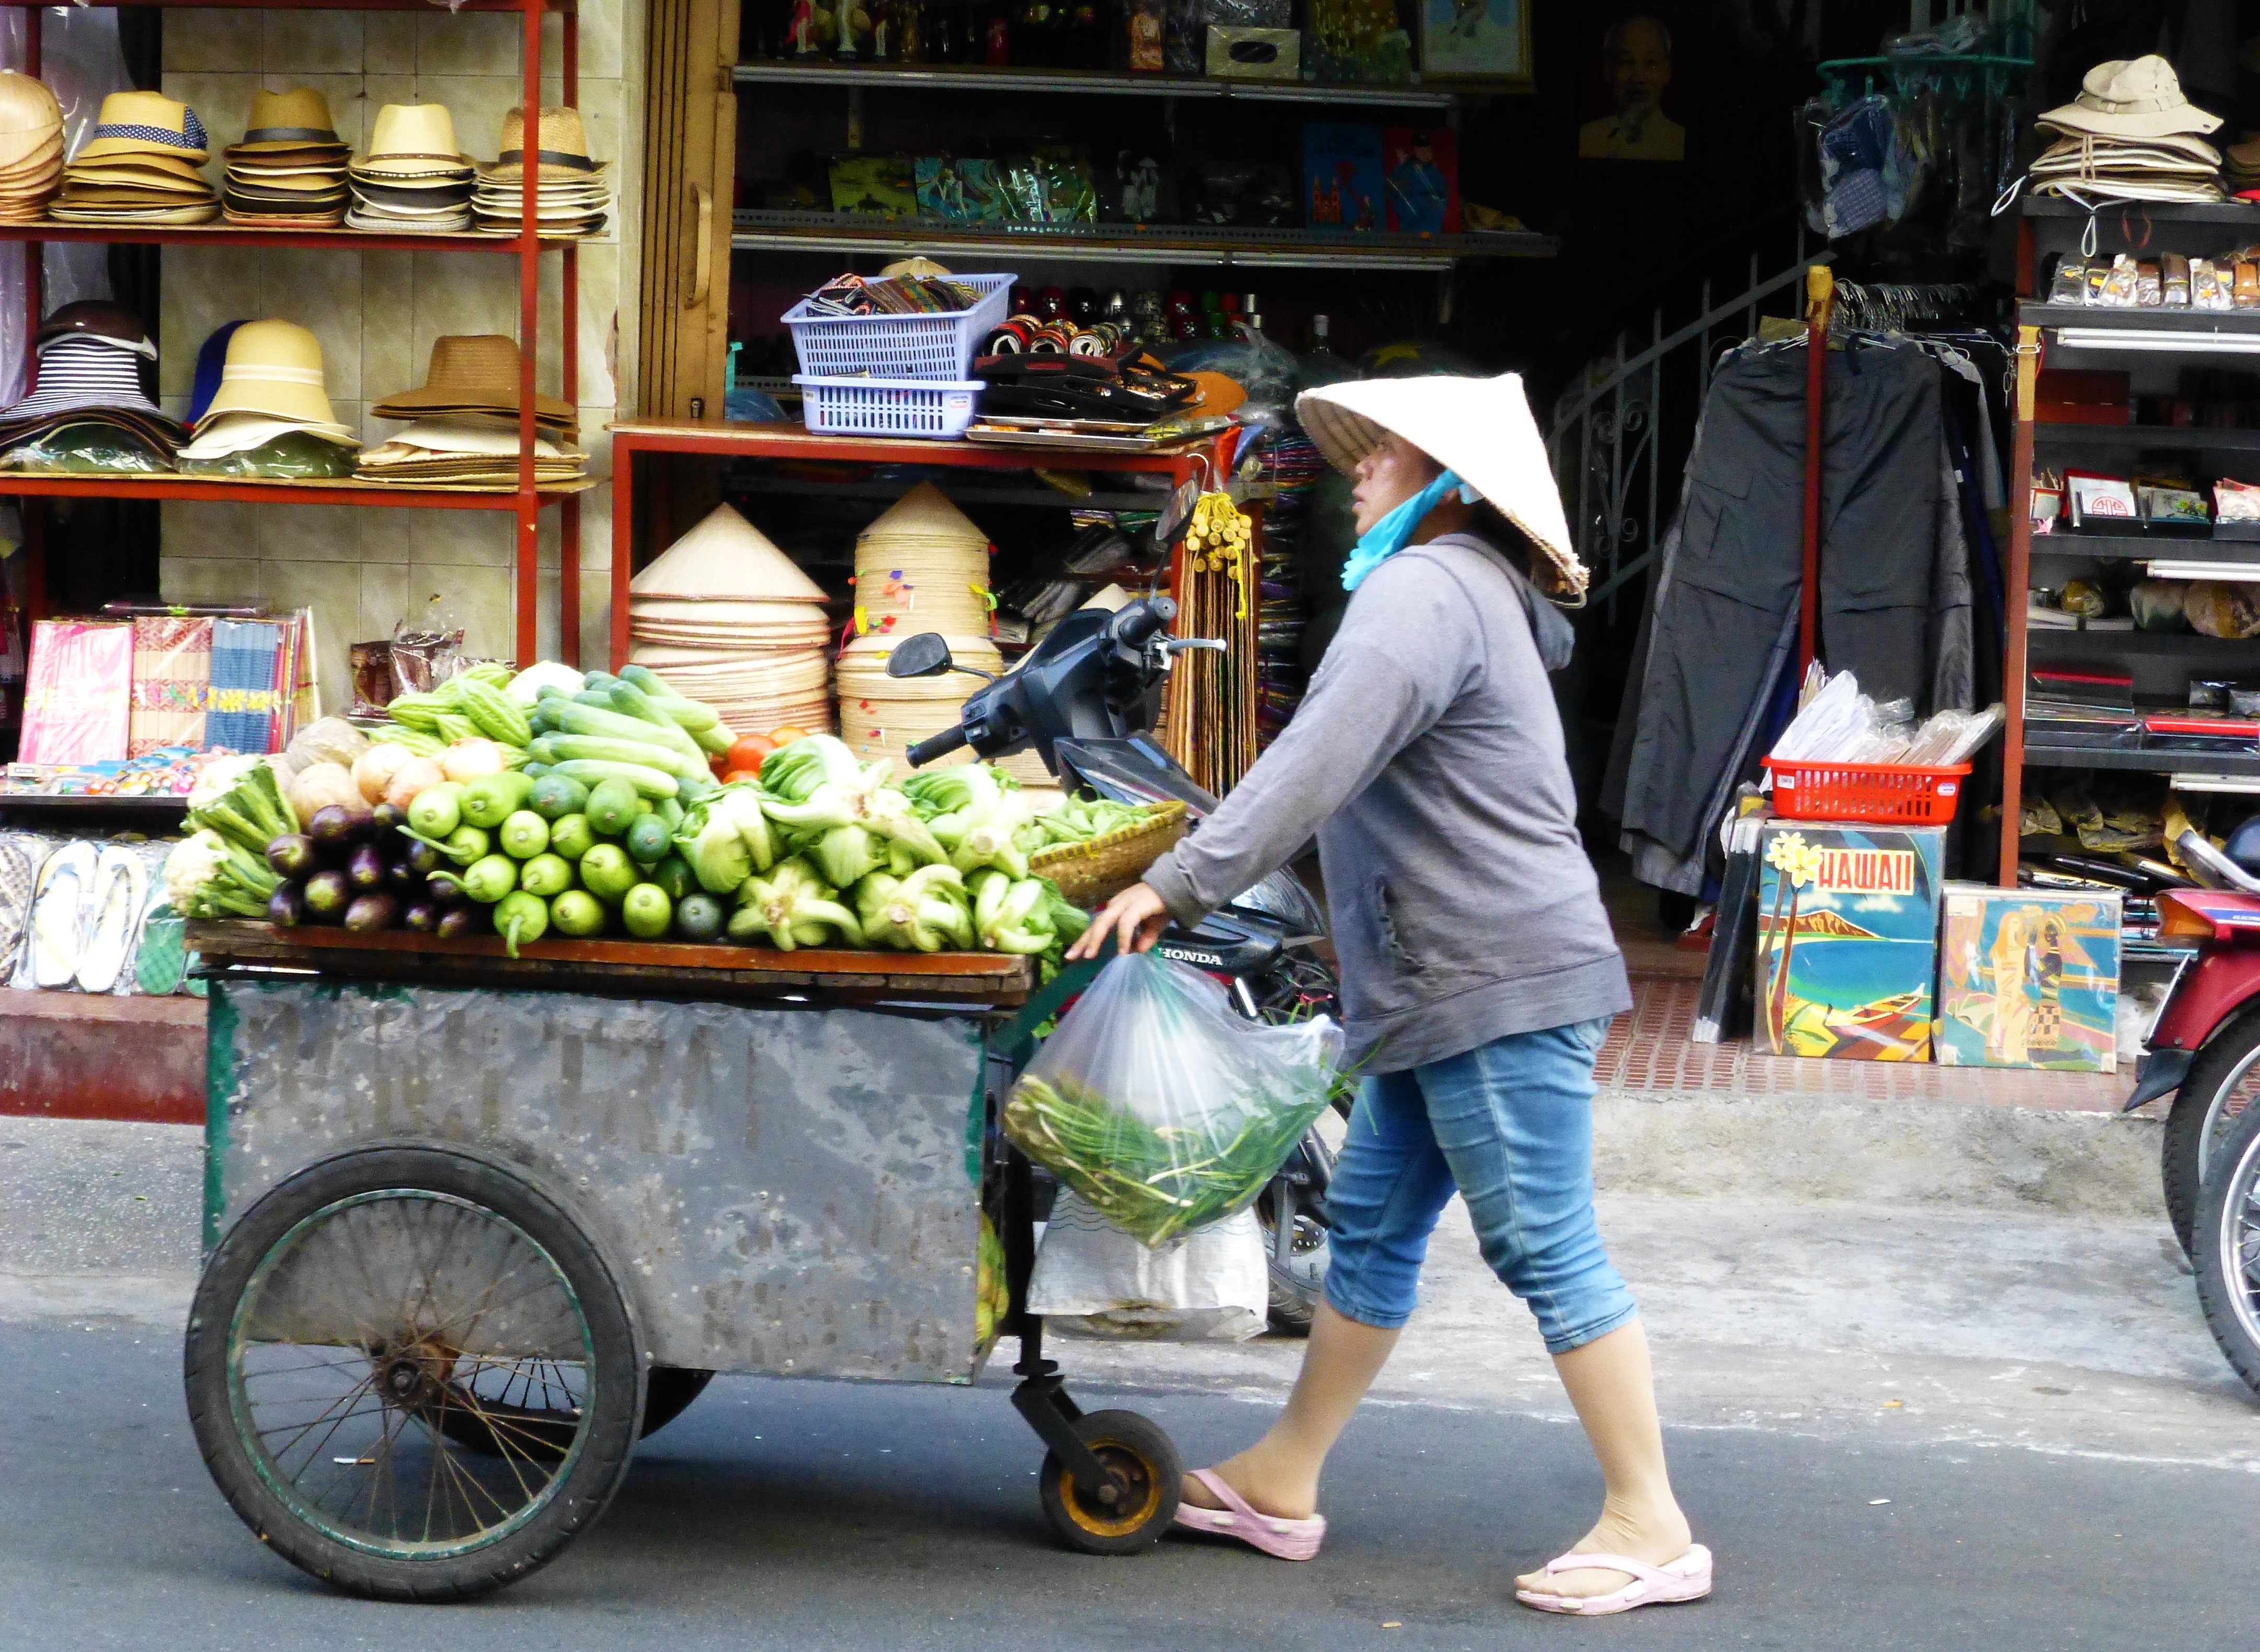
x,y
1847,940
2030,978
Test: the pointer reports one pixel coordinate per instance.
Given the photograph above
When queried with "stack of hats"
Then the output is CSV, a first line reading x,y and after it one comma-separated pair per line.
x,y
288,172
725,618
571,197
143,165
31,148
2241,174
463,429
271,387
413,180
922,565
2130,135
89,383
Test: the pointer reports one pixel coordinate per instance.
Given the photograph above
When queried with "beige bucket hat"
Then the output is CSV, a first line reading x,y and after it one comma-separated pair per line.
x,y
410,140
725,555
146,124
2132,97
274,368
1481,429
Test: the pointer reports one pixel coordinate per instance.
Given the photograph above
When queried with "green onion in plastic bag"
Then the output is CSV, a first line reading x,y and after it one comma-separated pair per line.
x,y
1163,1108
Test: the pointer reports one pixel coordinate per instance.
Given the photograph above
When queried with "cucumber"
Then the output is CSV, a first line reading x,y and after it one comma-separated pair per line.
x,y
648,840
699,918
651,782
669,810
611,807
577,914
570,835
555,797
546,874
647,912
524,835
492,799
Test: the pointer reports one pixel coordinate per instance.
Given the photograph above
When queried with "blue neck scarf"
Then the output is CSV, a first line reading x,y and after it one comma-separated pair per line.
x,y
1387,537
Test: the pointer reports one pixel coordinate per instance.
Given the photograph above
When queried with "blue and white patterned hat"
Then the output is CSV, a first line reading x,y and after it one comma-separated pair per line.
x,y
146,123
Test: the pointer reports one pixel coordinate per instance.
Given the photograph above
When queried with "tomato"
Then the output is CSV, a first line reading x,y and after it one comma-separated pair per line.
x,y
786,735
747,752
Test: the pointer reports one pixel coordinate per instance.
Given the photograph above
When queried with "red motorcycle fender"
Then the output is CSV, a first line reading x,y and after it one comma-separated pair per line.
x,y
2207,994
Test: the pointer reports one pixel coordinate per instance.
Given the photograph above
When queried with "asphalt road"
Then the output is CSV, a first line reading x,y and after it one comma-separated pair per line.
x,y
829,1516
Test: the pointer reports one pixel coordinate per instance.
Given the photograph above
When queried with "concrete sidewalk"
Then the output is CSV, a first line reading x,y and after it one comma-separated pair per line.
x,y
2036,1303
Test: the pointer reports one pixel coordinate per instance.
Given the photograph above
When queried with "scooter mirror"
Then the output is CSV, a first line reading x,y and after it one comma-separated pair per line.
x,y
925,655
1170,526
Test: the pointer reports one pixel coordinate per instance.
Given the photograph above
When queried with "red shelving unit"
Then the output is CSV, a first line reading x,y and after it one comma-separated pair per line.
x,y
526,501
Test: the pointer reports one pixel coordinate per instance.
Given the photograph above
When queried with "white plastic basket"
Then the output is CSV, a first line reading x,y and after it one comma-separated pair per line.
x,y
886,407
936,346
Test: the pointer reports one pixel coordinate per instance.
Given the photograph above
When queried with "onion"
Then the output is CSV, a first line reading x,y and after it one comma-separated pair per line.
x,y
468,759
418,774
323,785
374,769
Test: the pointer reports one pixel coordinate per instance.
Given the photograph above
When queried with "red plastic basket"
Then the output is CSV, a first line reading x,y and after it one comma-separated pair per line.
x,y
1882,793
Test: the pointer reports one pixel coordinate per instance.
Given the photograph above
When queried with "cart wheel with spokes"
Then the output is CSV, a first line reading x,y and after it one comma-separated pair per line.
x,y
348,1322
525,1407
1142,1461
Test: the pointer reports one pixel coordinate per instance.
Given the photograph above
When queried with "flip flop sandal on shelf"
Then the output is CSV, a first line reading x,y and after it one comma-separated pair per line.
x,y
121,895
1686,1578
1287,1540
58,914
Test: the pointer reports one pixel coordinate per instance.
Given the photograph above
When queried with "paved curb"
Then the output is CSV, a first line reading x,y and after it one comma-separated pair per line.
x,y
1717,1145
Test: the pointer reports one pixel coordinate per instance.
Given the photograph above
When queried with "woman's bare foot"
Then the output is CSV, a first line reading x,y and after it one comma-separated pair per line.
x,y
1658,1537
1269,1488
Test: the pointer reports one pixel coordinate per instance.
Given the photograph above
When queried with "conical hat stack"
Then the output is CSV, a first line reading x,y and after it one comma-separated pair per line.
x,y
882,716
924,565
725,616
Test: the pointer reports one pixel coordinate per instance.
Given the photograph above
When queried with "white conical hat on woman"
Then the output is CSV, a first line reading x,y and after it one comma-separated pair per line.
x,y
727,556
1479,429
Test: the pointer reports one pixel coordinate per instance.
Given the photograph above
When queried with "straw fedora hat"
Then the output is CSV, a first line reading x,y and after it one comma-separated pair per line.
x,y
725,555
560,148
476,372
273,367
282,122
2132,97
1481,429
146,123
411,138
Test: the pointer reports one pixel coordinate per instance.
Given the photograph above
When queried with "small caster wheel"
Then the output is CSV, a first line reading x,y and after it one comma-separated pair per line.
x,y
1143,1464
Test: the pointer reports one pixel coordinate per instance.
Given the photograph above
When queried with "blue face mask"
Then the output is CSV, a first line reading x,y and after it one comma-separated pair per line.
x,y
1387,537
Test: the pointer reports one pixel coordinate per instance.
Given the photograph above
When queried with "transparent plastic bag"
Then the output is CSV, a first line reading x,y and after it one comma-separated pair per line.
x,y
92,448
1163,1109
294,456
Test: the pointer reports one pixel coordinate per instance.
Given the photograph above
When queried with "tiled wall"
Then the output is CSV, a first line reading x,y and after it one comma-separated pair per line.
x,y
376,314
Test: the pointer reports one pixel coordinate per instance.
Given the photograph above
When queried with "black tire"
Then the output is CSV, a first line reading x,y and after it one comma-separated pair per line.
x,y
2223,1079
1144,1464
2228,1254
668,1392
414,1370
1294,1287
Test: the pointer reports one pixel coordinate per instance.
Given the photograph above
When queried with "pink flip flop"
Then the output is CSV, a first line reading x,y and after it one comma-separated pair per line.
x,y
1287,1540
1686,1578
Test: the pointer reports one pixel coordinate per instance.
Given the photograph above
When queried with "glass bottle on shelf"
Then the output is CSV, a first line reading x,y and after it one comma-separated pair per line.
x,y
997,35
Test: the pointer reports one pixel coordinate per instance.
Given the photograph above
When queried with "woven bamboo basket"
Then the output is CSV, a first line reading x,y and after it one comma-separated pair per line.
x,y
1099,870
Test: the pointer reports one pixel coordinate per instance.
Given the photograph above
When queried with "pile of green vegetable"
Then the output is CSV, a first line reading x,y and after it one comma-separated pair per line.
x,y
1156,1181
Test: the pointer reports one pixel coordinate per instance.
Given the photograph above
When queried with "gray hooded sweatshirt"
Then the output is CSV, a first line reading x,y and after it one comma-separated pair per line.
x,y
1426,758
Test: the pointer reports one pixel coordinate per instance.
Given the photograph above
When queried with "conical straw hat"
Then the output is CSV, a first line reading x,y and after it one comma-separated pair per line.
x,y
757,611
725,555
924,516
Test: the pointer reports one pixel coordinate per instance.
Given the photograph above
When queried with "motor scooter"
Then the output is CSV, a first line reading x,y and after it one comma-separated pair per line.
x,y
2204,1050
1085,700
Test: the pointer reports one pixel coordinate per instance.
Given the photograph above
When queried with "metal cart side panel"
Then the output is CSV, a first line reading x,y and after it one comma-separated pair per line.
x,y
787,1189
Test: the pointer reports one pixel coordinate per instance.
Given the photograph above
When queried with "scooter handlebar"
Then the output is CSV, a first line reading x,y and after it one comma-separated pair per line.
x,y
1139,622
938,746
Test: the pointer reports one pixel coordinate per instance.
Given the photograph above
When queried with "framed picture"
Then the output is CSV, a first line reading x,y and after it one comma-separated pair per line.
x,y
1477,40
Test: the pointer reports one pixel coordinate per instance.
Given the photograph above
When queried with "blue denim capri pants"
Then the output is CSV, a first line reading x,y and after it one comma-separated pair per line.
x,y
1509,1126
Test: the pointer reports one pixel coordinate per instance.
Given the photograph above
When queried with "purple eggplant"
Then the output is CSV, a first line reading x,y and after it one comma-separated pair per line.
x,y
404,881
419,856
292,855
373,911
444,889
386,820
421,916
467,919
286,908
333,826
327,895
365,867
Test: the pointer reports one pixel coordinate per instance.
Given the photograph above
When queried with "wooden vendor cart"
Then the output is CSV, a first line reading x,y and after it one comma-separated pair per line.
x,y
473,1224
